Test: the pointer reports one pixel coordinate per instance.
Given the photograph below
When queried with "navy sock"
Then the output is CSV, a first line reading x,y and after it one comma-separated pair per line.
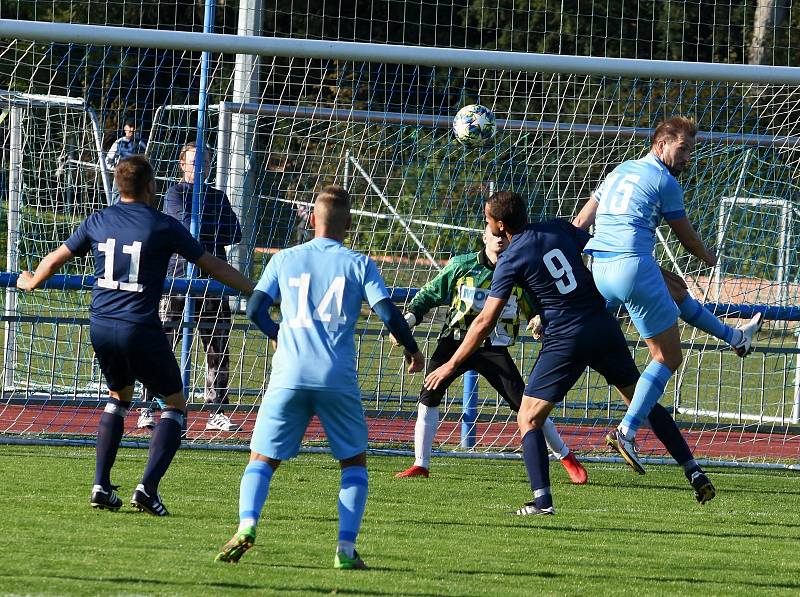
x,y
666,430
109,435
534,453
164,442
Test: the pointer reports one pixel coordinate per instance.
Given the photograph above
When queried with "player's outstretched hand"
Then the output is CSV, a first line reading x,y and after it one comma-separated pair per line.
x,y
711,258
535,326
437,376
25,281
395,342
416,361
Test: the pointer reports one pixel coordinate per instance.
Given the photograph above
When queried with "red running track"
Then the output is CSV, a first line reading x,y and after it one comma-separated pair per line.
x,y
717,442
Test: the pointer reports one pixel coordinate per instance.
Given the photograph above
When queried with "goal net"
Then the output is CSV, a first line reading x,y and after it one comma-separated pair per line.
x,y
282,117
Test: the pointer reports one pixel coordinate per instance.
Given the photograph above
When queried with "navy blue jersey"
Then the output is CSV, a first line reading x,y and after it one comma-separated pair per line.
x,y
545,260
219,225
132,244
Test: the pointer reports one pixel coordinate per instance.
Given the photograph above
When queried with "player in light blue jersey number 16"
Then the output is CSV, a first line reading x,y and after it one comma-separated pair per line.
x,y
321,285
625,211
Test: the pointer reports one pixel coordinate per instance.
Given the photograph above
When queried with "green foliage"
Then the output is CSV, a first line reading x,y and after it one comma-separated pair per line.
x,y
449,535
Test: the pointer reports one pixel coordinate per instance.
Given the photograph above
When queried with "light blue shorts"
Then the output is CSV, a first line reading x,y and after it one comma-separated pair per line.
x,y
636,282
285,413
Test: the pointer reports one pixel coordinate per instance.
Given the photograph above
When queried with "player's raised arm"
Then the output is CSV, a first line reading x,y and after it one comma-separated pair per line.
x,y
399,329
435,293
48,267
480,329
221,271
689,238
585,218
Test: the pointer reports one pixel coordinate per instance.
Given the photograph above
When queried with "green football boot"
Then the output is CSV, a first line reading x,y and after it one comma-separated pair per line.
x,y
342,562
234,549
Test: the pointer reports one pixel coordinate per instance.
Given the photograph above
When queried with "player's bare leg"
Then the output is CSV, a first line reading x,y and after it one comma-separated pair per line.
x,y
253,492
109,435
530,419
164,443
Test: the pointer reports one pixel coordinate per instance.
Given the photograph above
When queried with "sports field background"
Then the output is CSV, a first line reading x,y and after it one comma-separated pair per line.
x,y
448,535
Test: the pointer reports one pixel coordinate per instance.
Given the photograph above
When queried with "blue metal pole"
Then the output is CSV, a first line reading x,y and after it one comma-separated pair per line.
x,y
198,194
470,410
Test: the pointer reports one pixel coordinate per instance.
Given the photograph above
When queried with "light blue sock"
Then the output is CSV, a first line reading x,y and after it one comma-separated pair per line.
x,y
352,500
696,315
253,492
649,389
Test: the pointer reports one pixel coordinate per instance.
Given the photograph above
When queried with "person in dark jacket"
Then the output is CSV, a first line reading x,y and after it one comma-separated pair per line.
x,y
219,227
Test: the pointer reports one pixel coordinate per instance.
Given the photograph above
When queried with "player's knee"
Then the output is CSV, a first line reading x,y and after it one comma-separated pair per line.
x,y
176,400
117,407
272,462
670,359
430,400
357,460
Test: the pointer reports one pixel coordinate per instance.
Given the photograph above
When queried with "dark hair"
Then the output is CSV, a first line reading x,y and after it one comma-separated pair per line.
x,y
131,122
332,206
674,127
509,208
132,176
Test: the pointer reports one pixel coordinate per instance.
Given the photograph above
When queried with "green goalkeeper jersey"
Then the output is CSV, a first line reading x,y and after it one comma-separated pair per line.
x,y
464,285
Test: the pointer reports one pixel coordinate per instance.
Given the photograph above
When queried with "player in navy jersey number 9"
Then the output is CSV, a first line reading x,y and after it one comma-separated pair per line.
x,y
132,243
545,260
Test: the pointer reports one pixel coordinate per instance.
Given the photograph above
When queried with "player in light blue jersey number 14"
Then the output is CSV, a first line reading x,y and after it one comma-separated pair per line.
x,y
321,285
625,211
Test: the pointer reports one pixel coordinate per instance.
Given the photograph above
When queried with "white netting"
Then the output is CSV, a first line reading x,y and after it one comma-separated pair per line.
x,y
279,128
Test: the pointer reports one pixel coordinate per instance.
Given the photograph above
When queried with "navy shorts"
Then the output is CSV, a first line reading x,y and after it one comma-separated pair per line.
x,y
598,343
128,351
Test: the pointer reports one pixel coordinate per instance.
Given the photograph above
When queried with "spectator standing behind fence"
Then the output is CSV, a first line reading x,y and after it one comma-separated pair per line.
x,y
127,145
219,227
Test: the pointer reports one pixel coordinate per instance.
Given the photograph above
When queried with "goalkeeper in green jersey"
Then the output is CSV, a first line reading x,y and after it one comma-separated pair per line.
x,y
464,285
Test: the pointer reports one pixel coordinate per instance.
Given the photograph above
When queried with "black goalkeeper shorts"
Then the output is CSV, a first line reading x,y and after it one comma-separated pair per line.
x,y
494,363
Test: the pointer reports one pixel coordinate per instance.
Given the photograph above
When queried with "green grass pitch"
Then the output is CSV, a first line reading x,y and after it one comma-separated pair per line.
x,y
448,535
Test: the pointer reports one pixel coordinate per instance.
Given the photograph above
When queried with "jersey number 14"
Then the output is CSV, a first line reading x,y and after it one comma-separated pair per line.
x,y
329,310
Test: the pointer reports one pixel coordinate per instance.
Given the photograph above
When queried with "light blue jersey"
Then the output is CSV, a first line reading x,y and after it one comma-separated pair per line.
x,y
633,199
320,285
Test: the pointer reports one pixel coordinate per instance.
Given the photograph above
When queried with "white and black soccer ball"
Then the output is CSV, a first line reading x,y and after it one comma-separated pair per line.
x,y
474,125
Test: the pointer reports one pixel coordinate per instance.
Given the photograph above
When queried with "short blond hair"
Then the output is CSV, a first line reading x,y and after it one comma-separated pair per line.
x,y
332,207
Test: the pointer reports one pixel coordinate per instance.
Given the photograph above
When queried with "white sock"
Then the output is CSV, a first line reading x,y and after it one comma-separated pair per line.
x,y
246,522
554,440
626,432
424,432
348,547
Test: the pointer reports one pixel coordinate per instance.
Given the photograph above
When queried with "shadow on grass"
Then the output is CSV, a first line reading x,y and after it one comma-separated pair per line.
x,y
199,584
544,524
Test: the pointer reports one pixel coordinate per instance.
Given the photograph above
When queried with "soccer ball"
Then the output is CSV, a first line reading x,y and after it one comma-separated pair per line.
x,y
474,125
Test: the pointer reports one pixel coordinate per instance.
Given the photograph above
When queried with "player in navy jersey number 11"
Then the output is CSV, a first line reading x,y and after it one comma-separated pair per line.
x,y
132,243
